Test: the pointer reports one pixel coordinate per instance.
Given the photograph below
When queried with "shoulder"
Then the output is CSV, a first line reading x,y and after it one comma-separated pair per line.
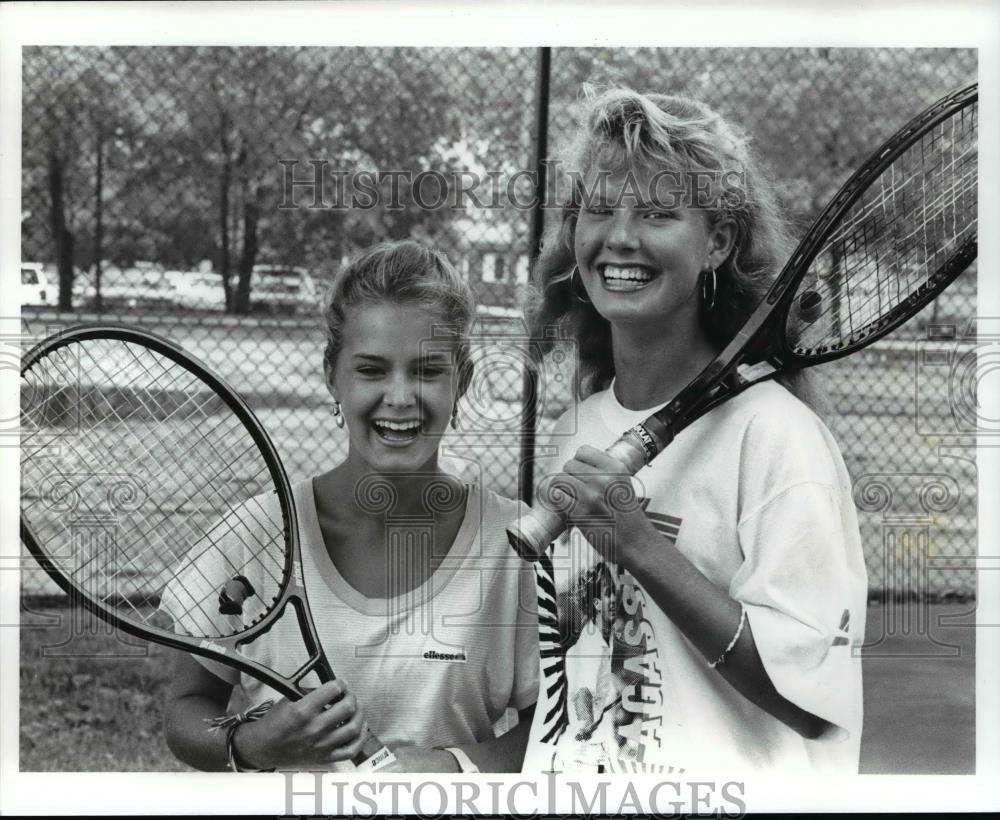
x,y
302,490
769,412
499,508
497,514
582,423
783,442
583,410
258,513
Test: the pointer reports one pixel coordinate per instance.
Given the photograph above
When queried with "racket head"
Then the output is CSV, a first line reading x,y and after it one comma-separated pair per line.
x,y
898,232
138,466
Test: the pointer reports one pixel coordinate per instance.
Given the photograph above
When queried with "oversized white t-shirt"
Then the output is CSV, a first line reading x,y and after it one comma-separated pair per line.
x,y
437,665
756,495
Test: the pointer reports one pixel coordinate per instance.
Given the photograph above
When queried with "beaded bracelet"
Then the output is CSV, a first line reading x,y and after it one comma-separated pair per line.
x,y
732,643
233,722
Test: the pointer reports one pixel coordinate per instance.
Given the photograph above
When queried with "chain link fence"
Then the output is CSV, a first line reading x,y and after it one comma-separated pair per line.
x,y
209,194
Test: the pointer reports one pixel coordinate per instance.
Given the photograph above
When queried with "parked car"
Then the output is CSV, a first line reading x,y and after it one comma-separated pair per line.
x,y
34,284
131,288
197,290
282,288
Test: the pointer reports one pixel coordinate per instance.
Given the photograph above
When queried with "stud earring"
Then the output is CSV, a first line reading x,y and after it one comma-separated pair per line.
x,y
338,415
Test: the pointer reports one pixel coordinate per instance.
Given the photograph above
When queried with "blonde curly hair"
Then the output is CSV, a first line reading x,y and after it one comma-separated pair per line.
x,y
658,133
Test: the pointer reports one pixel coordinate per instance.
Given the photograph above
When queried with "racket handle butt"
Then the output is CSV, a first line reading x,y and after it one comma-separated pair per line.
x,y
532,533
374,755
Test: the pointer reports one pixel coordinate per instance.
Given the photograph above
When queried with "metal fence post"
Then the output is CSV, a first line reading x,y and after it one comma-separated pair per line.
x,y
529,390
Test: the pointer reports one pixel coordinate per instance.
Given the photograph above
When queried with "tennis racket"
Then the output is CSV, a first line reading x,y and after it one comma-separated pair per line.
x,y
898,232
152,496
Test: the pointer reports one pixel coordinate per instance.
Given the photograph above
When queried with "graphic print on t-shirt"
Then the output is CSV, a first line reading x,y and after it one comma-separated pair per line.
x,y
602,691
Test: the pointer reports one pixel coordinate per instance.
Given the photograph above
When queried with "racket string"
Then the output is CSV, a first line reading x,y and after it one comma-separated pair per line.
x,y
878,295
96,448
196,561
901,231
142,431
118,565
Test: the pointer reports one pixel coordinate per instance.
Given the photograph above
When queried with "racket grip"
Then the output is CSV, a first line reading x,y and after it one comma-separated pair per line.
x,y
374,754
532,533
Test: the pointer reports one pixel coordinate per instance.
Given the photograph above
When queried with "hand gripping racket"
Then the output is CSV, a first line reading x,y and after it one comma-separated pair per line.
x,y
152,495
898,232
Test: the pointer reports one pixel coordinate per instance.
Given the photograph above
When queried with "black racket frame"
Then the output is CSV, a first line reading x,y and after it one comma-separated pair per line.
x,y
763,337
224,649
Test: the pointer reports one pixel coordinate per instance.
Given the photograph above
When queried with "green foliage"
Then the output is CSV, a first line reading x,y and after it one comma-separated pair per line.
x,y
191,138
814,114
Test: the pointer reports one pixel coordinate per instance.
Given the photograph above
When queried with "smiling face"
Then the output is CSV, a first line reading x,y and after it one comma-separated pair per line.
x,y
396,385
640,256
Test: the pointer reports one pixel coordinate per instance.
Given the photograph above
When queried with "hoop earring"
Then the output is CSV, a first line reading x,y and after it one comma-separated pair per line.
x,y
709,288
338,415
576,286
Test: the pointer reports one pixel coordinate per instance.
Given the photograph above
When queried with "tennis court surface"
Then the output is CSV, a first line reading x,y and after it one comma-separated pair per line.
x,y
920,715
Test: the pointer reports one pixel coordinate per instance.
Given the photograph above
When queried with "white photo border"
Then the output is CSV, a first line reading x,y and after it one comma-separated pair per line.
x,y
961,23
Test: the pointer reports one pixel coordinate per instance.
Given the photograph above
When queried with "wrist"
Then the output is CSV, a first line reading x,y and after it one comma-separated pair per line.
x,y
639,546
247,753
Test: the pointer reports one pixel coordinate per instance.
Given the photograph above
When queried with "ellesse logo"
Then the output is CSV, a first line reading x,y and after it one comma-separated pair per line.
x,y
448,657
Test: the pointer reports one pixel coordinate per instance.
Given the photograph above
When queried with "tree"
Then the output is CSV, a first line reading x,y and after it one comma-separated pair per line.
x,y
55,145
813,113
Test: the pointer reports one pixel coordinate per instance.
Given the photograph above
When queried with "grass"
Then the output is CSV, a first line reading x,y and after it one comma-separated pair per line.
x,y
90,701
